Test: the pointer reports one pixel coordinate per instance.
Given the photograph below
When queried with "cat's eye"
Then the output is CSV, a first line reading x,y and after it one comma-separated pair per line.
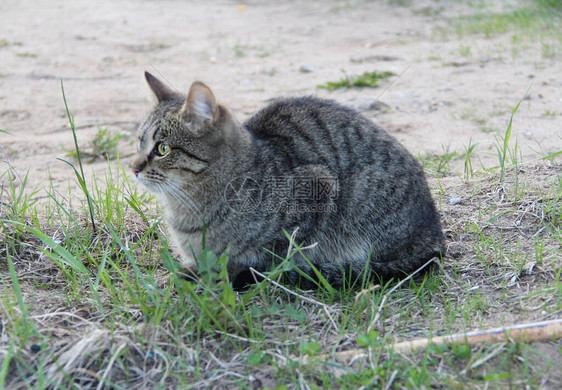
x,y
163,149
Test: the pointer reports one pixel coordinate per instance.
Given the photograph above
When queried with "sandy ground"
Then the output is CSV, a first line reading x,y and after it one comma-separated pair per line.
x,y
451,90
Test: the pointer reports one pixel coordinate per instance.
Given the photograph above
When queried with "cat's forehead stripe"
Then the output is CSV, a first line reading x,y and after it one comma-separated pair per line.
x,y
155,133
146,140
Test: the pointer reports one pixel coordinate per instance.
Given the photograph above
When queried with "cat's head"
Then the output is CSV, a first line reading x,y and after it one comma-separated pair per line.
x,y
182,137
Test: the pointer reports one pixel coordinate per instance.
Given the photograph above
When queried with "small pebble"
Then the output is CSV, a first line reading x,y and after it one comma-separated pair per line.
x,y
305,68
454,199
35,348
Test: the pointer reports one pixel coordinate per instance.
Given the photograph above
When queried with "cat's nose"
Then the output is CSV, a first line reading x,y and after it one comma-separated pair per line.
x,y
138,165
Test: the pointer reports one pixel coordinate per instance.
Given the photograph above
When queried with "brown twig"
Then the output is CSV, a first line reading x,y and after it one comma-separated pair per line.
x,y
521,333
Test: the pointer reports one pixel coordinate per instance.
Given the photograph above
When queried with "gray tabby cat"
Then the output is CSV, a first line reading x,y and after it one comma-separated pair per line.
x,y
303,163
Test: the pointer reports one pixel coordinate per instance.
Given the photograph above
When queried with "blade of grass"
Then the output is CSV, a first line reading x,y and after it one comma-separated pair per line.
x,y
81,177
6,364
64,256
502,153
16,286
132,261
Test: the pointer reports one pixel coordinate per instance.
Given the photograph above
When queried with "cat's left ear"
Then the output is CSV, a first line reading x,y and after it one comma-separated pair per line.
x,y
161,90
201,101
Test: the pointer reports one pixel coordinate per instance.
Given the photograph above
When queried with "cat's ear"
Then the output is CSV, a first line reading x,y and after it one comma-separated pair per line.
x,y
161,90
201,101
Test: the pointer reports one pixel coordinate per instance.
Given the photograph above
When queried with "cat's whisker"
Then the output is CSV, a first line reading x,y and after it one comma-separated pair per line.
x,y
185,200
174,188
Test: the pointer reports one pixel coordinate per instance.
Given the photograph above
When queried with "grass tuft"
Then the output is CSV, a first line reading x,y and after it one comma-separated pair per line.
x,y
528,16
367,79
104,145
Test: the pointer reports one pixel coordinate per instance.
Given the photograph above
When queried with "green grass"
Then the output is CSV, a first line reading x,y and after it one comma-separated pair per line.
x,y
27,54
530,25
438,165
465,50
528,21
105,145
92,295
537,16
367,79
400,2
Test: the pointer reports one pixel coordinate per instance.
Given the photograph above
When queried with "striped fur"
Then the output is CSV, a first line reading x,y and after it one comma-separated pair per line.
x,y
362,197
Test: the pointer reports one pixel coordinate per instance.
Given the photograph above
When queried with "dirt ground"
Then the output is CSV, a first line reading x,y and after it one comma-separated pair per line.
x,y
451,90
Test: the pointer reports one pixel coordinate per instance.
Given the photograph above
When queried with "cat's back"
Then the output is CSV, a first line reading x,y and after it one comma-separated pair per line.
x,y
309,130
307,114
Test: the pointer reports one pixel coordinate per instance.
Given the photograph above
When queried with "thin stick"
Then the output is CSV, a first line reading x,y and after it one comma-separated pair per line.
x,y
546,330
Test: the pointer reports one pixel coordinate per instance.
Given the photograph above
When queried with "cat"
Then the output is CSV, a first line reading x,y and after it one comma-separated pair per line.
x,y
308,166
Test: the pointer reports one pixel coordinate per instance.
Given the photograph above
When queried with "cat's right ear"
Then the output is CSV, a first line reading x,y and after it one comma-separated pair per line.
x,y
161,90
201,101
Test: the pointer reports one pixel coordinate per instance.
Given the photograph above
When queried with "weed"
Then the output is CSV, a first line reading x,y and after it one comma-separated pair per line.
x,y
502,144
79,175
488,129
528,17
469,113
239,50
429,11
438,165
245,49
27,55
465,50
548,50
400,2
17,206
104,145
468,170
367,79
346,6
